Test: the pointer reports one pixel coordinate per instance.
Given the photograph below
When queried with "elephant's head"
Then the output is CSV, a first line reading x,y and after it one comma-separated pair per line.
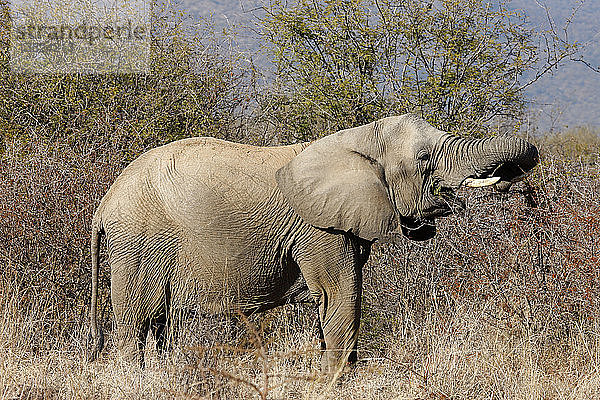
x,y
398,171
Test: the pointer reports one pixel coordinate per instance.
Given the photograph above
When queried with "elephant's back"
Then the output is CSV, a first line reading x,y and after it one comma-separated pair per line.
x,y
204,151
207,162
216,157
219,167
197,181
205,176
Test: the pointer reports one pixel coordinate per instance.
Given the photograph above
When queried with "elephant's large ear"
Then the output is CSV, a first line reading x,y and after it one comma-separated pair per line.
x,y
331,184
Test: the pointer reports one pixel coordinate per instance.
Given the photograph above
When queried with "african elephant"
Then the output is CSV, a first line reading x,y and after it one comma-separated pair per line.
x,y
214,226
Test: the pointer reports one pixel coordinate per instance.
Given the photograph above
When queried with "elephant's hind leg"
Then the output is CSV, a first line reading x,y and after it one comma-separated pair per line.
x,y
132,324
131,341
138,296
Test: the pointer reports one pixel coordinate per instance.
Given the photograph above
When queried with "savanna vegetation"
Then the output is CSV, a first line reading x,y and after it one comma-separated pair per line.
x,y
502,303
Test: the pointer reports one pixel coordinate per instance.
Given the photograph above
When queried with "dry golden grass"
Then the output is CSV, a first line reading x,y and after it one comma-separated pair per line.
x,y
462,356
580,142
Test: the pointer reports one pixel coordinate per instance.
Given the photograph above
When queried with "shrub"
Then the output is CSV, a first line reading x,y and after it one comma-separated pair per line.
x,y
461,65
196,86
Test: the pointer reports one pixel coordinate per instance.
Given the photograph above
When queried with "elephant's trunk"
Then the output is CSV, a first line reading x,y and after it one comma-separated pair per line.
x,y
517,158
507,158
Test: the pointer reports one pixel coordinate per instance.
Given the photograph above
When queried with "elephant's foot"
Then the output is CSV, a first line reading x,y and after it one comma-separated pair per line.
x,y
335,363
131,342
131,357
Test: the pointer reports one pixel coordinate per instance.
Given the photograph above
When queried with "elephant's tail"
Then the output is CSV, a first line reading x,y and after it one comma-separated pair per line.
x,y
96,338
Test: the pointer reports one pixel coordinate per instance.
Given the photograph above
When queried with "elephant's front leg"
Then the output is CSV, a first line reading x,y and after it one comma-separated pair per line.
x,y
334,277
339,314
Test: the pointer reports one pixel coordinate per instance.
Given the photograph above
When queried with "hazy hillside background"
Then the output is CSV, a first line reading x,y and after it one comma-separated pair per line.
x,y
571,96
568,98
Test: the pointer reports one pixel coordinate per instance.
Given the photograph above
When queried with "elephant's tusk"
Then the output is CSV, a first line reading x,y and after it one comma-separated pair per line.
x,y
472,182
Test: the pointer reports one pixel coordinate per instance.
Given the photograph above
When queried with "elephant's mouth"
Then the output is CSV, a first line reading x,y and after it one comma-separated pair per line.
x,y
423,227
417,229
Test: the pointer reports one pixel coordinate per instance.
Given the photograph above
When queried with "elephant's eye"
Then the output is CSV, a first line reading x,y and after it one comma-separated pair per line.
x,y
436,187
423,156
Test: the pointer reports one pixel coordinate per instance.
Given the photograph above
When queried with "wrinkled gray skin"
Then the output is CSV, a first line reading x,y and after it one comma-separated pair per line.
x,y
214,226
